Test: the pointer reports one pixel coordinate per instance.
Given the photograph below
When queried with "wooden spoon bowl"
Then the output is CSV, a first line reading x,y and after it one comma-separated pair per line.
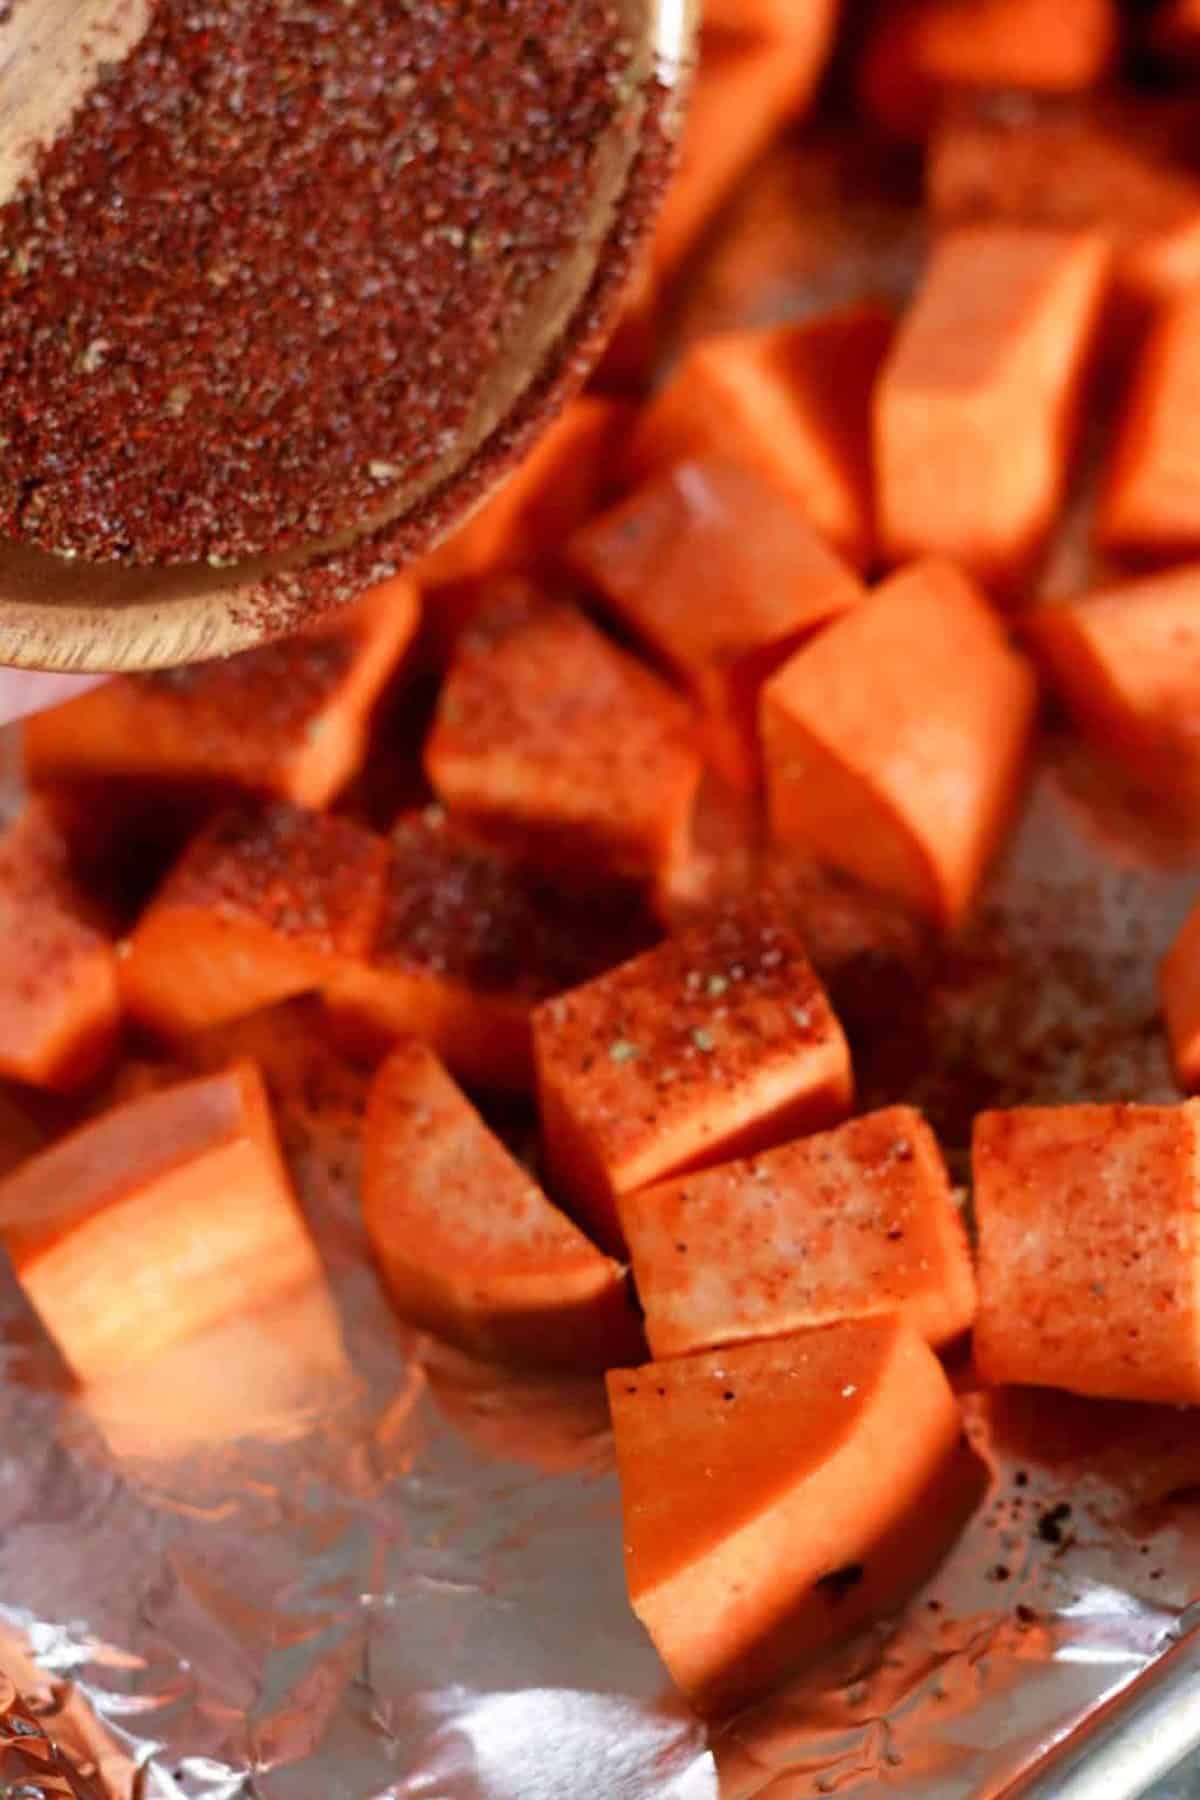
x,y
82,615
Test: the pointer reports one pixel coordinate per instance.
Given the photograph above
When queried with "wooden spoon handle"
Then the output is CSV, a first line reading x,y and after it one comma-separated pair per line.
x,y
51,54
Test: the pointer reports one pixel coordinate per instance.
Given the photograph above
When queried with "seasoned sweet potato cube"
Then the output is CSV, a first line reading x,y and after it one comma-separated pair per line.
x,y
266,903
1122,168
777,1495
1088,1248
289,718
977,403
844,1225
720,575
156,1221
470,939
791,403
549,736
468,1244
1179,980
1151,501
59,999
563,479
895,742
747,84
719,1041
917,51
1126,662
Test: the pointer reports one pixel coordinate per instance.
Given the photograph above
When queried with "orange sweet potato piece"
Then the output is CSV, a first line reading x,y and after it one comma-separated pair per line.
x,y
720,575
895,741
1126,662
59,999
1088,1245
718,1042
549,736
289,718
790,402
746,87
156,1221
467,1243
266,903
844,1225
1151,499
564,478
1175,31
1179,982
977,403
470,939
1125,169
777,1495
918,50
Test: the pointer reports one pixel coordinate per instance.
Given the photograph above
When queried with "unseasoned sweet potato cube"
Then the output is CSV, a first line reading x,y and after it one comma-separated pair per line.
x,y
747,84
289,718
1120,168
792,403
59,1000
918,50
563,479
977,403
844,1225
1180,987
895,742
156,1221
266,903
470,939
1088,1247
466,1241
777,1495
548,735
1126,661
720,574
720,1041
1151,500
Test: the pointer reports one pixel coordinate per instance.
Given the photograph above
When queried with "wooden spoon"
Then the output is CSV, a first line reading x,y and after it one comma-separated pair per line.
x,y
52,52
59,614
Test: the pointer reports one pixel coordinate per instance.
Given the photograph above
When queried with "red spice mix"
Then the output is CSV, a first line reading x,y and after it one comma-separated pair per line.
x,y
259,282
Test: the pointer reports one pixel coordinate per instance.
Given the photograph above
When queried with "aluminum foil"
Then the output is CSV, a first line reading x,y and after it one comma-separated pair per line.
x,y
318,1557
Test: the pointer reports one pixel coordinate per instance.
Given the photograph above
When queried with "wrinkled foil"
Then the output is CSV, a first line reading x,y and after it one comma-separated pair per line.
x,y
325,1558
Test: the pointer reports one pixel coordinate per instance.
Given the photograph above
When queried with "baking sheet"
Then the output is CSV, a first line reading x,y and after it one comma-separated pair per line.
x,y
312,1563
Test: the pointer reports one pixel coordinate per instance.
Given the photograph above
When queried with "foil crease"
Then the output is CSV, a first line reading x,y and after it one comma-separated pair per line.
x,y
332,1560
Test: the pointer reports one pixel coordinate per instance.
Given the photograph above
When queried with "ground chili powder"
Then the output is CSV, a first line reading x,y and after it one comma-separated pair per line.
x,y
258,281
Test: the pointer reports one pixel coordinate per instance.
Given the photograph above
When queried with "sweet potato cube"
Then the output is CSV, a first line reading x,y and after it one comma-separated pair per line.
x,y
1126,662
289,719
156,1221
718,1042
977,402
1088,1248
747,85
1116,167
777,1495
564,478
549,736
468,1244
720,575
895,741
919,50
470,939
844,1225
1151,501
59,999
1179,982
266,903
791,403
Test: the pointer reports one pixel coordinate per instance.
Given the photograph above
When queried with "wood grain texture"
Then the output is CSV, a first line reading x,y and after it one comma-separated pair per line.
x,y
51,53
